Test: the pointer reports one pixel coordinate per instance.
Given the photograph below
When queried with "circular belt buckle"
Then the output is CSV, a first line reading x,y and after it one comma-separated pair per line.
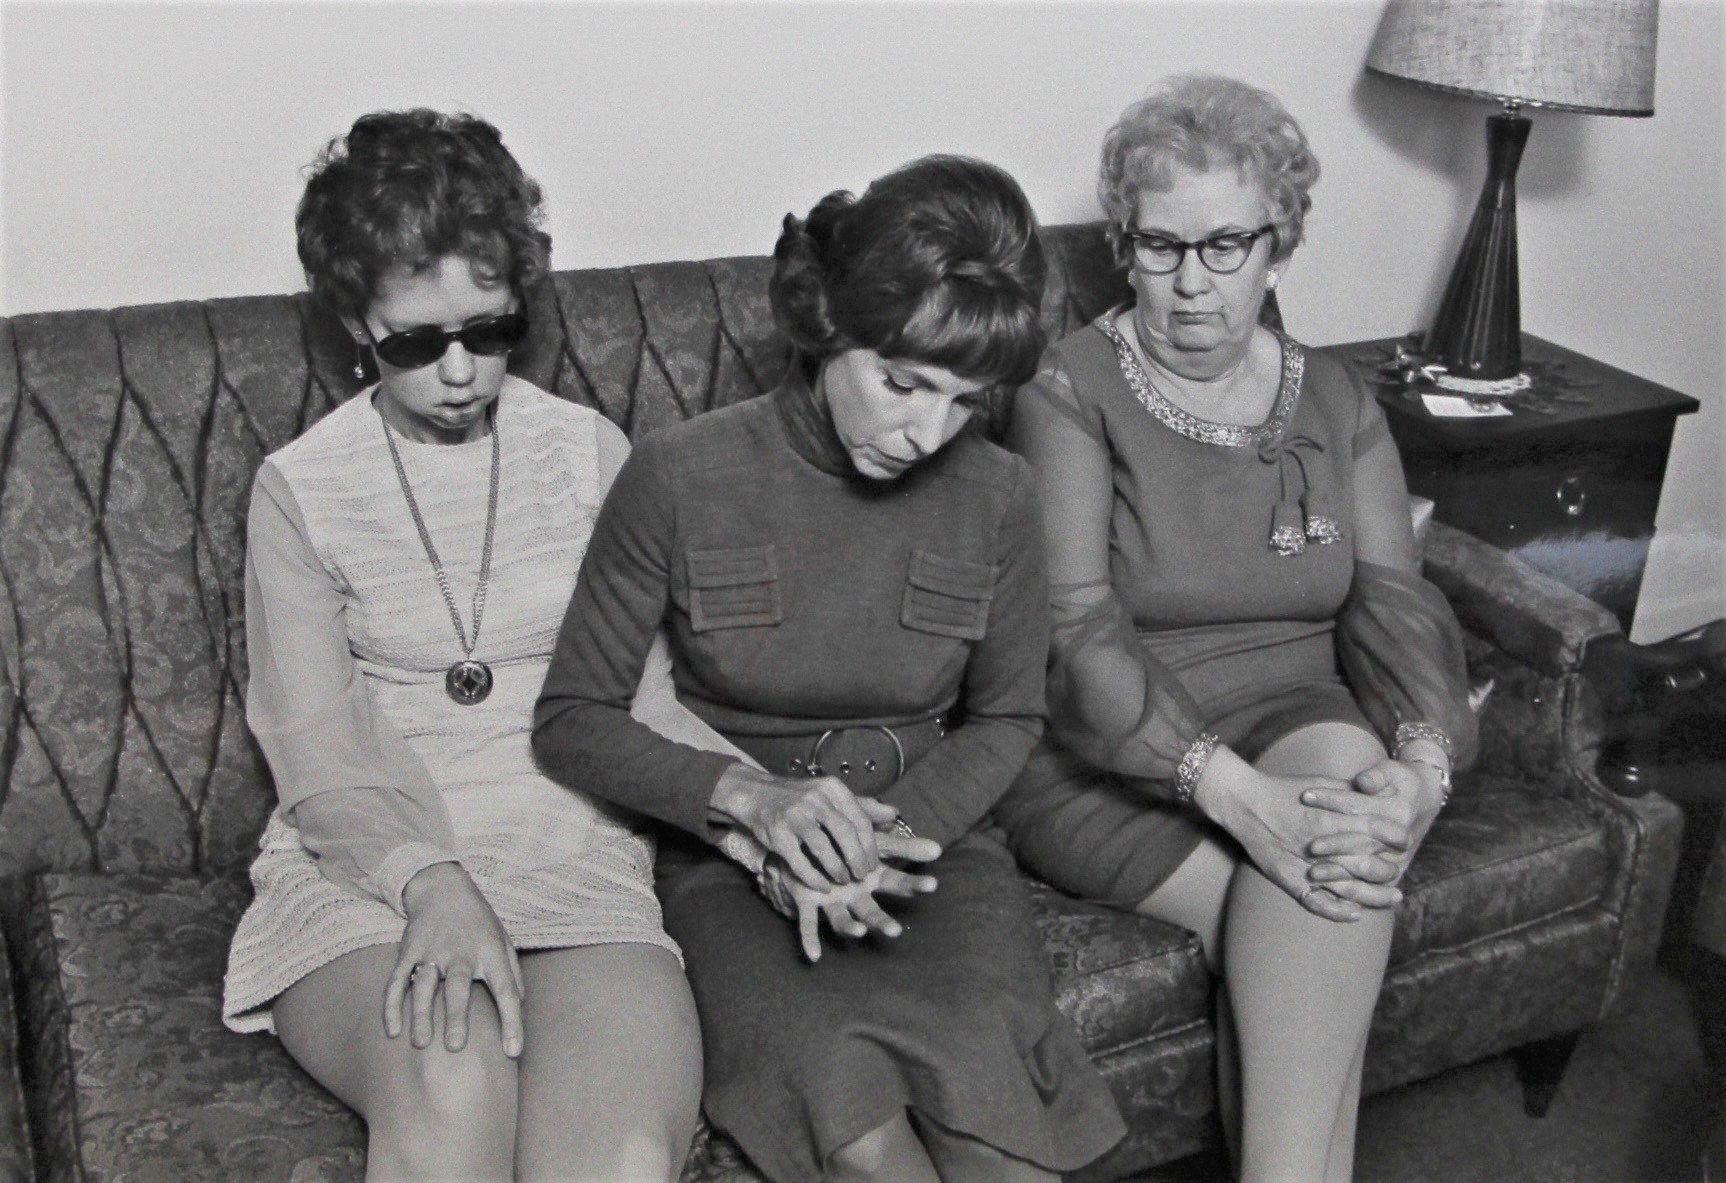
x,y
898,748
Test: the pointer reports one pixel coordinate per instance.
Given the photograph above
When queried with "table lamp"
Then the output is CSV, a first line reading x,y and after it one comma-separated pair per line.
x,y
1591,56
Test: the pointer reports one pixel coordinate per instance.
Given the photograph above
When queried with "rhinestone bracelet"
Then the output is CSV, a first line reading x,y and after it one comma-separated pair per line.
x,y
1192,766
1411,731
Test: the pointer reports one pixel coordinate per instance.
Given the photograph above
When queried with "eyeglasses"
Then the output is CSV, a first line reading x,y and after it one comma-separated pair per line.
x,y
413,348
1222,254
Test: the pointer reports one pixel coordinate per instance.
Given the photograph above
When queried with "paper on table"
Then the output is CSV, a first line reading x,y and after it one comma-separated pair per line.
x,y
1454,406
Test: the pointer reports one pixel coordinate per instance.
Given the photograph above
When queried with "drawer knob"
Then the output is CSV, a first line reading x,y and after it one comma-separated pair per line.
x,y
1572,496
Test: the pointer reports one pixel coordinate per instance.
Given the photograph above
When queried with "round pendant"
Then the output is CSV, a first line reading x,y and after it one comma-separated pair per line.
x,y
468,682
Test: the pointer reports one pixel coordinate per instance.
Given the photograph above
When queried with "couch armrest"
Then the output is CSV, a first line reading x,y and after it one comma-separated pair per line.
x,y
1530,616
1542,724
1528,635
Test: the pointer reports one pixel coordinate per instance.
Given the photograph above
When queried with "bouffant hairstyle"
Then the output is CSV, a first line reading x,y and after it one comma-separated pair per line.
x,y
937,263
404,189
1202,122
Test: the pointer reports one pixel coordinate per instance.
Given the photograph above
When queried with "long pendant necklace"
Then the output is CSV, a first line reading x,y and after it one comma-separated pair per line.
x,y
467,681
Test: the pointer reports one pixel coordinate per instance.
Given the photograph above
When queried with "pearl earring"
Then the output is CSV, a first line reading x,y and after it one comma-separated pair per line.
x,y
359,361
1271,281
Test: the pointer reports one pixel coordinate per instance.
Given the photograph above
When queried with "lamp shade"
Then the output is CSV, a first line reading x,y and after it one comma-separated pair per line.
x,y
1594,56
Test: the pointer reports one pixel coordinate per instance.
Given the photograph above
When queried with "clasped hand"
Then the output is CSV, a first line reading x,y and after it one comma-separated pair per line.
x,y
1391,797
824,833
1335,846
849,908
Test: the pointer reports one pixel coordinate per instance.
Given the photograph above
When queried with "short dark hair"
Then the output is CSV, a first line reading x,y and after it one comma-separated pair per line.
x,y
938,262
408,188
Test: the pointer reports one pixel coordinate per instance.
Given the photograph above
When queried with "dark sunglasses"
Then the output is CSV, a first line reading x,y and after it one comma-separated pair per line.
x,y
413,348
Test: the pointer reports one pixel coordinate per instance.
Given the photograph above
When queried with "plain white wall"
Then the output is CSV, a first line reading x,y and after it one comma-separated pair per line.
x,y
153,152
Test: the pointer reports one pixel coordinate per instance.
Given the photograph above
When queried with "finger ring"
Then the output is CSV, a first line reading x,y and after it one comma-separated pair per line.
x,y
436,970
1304,892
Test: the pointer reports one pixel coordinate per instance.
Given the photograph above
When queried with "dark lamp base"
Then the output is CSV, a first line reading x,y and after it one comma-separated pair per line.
x,y
1477,333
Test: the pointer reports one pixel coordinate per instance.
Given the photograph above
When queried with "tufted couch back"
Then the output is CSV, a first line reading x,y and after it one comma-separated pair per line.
x,y
128,442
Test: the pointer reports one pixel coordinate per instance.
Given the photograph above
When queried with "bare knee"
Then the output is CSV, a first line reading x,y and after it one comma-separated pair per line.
x,y
868,1157
446,1099
649,1146
1340,750
646,1156
863,1158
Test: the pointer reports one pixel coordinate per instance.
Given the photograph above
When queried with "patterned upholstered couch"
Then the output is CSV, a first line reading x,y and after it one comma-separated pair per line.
x,y
131,796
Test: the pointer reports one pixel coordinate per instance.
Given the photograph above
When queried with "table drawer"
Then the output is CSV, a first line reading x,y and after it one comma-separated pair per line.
x,y
1585,519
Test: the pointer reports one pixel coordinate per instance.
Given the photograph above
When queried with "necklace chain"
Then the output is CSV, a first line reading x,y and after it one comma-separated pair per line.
x,y
467,647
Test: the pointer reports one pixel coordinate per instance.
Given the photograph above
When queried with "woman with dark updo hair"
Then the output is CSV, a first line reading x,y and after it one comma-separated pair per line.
x,y
852,582
408,561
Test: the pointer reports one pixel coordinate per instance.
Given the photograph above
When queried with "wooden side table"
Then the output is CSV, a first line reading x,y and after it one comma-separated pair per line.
x,y
1569,482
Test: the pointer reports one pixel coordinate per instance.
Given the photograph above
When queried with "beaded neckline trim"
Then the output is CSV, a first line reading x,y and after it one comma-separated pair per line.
x,y
1227,435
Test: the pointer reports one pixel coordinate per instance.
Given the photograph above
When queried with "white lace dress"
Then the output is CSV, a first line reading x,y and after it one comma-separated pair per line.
x,y
349,638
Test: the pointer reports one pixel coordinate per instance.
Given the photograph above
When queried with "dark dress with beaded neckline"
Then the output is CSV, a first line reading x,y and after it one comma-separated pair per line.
x,y
1251,584
799,596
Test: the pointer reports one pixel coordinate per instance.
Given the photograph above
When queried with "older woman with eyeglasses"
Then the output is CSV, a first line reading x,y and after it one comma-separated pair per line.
x,y
1256,700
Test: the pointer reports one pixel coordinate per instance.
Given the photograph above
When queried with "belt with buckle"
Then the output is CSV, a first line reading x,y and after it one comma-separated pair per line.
x,y
868,757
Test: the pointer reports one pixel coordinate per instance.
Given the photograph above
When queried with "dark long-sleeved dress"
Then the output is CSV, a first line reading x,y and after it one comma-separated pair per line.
x,y
801,597
1245,581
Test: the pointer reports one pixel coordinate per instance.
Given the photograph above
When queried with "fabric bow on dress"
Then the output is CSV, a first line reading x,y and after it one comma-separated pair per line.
x,y
1308,514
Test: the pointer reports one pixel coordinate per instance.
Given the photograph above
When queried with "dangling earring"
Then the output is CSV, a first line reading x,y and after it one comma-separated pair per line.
x,y
359,361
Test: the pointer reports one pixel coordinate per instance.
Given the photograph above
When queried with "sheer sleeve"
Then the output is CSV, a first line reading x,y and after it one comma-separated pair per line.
x,y
1397,639
1110,701
364,804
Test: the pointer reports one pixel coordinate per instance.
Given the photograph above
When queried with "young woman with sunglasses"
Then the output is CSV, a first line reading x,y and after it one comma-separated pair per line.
x,y
409,560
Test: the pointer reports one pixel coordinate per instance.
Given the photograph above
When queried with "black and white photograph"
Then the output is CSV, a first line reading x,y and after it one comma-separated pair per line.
x,y
863,591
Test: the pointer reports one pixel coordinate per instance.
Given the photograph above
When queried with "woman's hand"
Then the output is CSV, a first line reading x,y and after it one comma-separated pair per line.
x,y
851,909
1408,793
1268,816
823,832
453,939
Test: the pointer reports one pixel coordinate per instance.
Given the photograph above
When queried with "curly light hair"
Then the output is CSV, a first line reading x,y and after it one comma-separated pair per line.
x,y
1203,122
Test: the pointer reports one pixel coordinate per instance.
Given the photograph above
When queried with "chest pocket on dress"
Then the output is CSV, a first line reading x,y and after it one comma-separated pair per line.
x,y
733,587
948,597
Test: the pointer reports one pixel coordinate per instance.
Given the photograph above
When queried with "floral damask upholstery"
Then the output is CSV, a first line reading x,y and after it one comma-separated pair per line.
x,y
131,797
136,1077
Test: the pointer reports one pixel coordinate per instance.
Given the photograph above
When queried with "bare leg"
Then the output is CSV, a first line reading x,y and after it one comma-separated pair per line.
x,y
1339,1163
1301,989
1196,898
611,1073
890,1153
430,1114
